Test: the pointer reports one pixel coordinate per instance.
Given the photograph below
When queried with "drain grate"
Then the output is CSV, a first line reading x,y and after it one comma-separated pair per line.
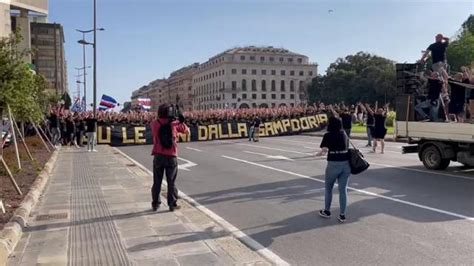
x,y
54,216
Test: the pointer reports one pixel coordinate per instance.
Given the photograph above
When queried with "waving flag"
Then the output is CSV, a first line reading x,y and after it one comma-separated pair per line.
x,y
145,103
107,102
76,107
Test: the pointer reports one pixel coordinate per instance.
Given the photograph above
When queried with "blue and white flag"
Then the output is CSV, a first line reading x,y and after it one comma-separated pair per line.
x,y
76,107
107,102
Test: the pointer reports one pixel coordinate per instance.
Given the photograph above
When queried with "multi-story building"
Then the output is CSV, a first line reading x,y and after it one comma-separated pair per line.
x,y
179,87
49,60
252,77
155,93
17,14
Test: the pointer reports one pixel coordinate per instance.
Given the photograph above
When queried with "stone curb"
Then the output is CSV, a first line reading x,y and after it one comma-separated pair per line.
x,y
13,230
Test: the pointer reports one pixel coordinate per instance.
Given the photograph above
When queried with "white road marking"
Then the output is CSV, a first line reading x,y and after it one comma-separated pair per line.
x,y
355,189
274,149
372,163
278,157
247,240
193,149
188,164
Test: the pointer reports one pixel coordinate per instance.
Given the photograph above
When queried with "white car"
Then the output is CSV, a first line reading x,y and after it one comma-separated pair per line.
x,y
8,140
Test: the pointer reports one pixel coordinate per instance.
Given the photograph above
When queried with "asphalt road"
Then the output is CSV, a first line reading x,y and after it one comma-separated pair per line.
x,y
398,212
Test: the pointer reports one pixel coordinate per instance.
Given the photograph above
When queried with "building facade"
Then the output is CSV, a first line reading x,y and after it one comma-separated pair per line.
x,y
179,87
251,77
49,60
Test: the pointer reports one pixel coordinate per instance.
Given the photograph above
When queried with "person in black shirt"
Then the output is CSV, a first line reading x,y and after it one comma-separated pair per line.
x,y
458,98
435,85
256,128
346,118
54,128
91,123
335,144
379,130
370,123
438,55
70,131
80,129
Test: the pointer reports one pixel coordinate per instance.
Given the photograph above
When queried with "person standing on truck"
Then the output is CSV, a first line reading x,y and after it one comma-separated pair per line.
x,y
438,55
433,100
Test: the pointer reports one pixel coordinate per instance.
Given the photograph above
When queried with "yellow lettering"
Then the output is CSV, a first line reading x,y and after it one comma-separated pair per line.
x,y
231,135
213,132
126,140
278,127
242,130
304,123
107,139
183,137
323,118
202,133
139,135
269,129
295,125
286,124
312,122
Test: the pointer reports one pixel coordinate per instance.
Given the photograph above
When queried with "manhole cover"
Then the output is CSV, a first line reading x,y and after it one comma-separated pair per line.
x,y
54,216
131,165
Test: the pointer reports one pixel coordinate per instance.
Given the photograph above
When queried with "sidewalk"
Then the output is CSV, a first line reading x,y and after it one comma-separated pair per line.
x,y
96,211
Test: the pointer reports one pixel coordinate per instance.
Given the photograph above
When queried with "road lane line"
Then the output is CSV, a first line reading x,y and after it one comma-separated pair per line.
x,y
278,157
372,163
193,149
241,236
274,149
357,190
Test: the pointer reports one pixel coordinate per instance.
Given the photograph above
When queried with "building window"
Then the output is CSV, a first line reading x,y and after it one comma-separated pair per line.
x,y
242,57
290,60
273,85
300,60
262,58
223,71
264,71
282,85
282,59
254,96
274,96
310,73
272,59
254,85
283,72
234,96
252,58
244,96
234,71
301,85
223,85
274,72
292,96
244,71
254,72
283,96
292,73
292,85
301,73
264,96
244,85
264,85
234,85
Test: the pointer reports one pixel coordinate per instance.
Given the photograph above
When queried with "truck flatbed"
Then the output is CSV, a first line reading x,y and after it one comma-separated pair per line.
x,y
457,132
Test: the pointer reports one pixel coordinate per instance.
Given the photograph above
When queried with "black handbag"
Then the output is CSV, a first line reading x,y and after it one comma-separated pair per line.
x,y
356,160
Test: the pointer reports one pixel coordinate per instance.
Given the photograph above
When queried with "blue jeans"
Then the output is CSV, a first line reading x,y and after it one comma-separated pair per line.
x,y
369,134
251,132
434,109
339,171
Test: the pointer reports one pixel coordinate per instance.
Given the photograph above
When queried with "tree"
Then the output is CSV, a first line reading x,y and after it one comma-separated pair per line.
x,y
461,51
359,77
20,88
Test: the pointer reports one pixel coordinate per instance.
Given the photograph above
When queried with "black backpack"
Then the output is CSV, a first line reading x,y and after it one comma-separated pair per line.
x,y
166,135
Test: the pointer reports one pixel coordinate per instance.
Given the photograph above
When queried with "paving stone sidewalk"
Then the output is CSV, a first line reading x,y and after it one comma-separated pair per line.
x,y
96,211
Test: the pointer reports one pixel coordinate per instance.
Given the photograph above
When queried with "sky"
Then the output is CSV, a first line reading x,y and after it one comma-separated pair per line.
x,y
148,39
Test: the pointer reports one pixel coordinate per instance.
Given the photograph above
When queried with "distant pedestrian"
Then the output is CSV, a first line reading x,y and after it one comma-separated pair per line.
x,y
256,129
251,127
335,144
380,130
370,123
91,129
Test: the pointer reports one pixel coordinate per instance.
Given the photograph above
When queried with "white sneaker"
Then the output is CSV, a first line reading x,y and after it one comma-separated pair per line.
x,y
94,150
88,150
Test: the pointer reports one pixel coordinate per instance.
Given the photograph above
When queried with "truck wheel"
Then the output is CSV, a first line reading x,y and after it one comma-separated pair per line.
x,y
432,159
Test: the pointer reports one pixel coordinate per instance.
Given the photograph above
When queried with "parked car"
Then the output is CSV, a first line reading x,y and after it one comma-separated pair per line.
x,y
8,137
